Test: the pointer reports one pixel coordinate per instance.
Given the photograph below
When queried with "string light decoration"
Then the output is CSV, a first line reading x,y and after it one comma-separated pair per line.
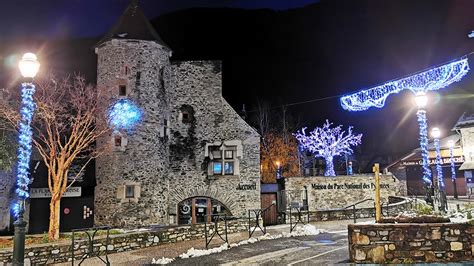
x,y
432,79
451,157
439,169
124,115
423,125
326,142
24,143
453,169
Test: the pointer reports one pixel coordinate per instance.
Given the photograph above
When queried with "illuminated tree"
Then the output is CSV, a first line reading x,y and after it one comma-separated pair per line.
x,y
70,116
326,142
277,150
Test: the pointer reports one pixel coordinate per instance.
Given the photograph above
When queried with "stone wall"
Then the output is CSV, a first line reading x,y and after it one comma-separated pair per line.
x,y
339,191
6,184
408,243
55,253
165,156
144,159
197,85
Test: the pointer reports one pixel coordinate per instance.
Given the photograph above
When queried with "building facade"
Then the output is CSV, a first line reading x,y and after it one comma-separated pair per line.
x,y
191,156
409,169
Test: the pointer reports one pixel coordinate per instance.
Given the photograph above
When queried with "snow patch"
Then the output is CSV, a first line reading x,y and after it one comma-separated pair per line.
x,y
307,230
192,252
162,261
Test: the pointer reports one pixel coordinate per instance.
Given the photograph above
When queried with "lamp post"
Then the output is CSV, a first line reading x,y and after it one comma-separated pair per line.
x,y
453,169
439,186
421,101
29,66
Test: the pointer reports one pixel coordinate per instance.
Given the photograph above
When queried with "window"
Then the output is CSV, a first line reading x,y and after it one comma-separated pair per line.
x,y
122,90
137,78
229,168
223,160
185,117
217,168
129,192
229,154
126,70
118,141
162,79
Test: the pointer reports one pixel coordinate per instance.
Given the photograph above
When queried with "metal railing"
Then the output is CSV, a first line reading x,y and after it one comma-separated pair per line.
x,y
353,206
299,217
258,213
91,234
216,218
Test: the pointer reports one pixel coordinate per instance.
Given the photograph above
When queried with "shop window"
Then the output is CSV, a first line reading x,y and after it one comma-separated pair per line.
x,y
200,209
122,90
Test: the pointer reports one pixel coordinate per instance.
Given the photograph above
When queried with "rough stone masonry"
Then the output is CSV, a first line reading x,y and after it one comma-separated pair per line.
x,y
190,146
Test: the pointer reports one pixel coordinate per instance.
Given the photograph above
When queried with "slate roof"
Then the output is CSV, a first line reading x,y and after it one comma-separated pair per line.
x,y
133,24
467,119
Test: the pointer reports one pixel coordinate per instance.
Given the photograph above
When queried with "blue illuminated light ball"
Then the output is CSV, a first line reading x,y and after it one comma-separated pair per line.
x,y
124,114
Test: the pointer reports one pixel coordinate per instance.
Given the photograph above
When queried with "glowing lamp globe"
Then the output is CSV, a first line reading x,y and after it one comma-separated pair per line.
x,y
29,65
421,99
435,133
277,163
450,144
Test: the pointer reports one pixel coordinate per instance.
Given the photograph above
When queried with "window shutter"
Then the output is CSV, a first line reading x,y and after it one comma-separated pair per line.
x,y
137,191
121,192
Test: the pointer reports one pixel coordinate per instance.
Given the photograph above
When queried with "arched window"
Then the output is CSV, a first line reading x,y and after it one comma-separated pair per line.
x,y
198,209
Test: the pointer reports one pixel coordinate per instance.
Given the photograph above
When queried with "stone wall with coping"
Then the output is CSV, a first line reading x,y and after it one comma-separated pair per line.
x,y
340,191
56,253
408,243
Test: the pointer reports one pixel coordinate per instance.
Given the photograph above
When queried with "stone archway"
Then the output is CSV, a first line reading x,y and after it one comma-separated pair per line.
x,y
178,195
199,210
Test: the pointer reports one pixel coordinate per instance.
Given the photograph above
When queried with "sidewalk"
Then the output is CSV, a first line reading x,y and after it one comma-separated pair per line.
x,y
145,256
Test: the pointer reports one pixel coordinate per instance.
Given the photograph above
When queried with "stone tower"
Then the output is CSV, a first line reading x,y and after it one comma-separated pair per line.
x,y
134,61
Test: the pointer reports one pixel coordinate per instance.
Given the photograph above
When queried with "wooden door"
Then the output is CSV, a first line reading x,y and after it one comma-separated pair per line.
x,y
270,215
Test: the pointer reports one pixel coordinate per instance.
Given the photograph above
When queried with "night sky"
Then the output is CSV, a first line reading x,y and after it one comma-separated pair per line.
x,y
88,18
278,51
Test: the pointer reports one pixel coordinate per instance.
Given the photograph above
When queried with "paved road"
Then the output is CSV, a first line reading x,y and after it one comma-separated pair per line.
x,y
323,249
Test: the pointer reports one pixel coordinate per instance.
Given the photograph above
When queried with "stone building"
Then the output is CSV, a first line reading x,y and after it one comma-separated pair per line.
x,y
192,155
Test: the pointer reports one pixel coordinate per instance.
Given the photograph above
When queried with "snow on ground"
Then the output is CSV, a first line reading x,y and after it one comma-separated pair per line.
x,y
162,261
458,217
307,230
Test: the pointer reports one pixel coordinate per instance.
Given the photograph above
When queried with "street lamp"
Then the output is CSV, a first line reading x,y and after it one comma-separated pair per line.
x,y
421,101
439,186
278,170
29,66
453,169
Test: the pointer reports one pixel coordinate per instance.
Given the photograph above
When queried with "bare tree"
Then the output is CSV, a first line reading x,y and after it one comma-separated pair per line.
x,y
70,116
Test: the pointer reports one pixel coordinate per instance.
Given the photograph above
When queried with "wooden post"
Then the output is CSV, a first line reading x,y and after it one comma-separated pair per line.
x,y
378,211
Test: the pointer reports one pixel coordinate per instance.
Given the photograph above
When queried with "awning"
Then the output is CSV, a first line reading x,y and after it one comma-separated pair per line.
x,y
467,166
